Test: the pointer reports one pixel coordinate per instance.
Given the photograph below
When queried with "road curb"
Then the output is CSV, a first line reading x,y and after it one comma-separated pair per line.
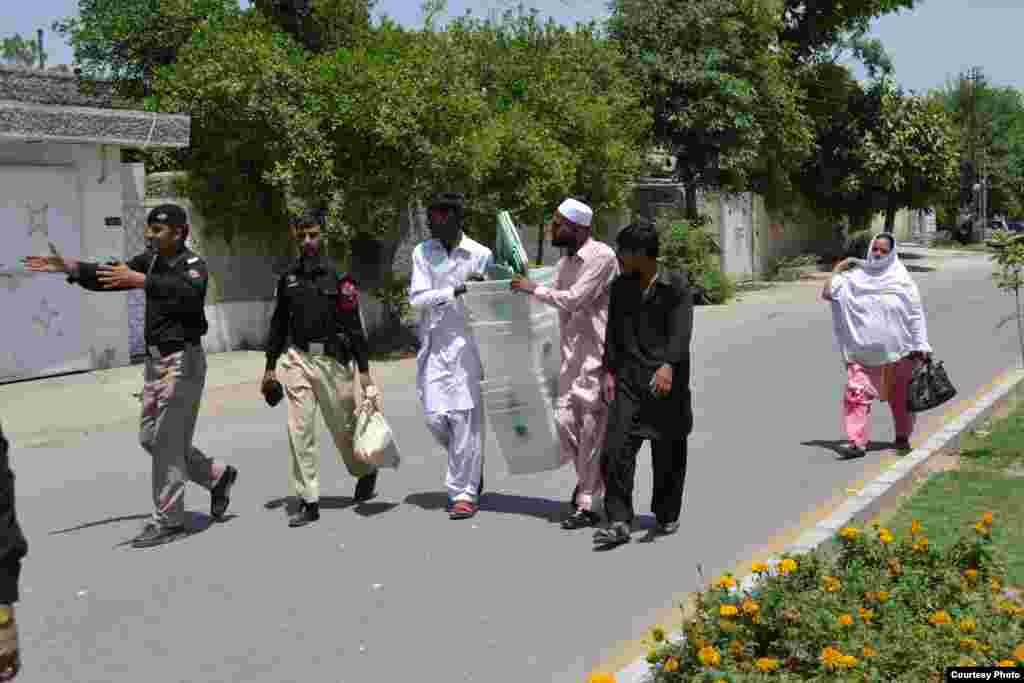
x,y
887,487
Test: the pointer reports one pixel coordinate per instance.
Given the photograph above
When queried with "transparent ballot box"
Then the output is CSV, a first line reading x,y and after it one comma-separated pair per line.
x,y
519,348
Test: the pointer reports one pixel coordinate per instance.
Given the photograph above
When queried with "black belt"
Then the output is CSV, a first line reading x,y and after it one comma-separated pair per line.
x,y
167,348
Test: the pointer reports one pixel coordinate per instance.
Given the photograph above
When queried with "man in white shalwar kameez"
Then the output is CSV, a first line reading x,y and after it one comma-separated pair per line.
x,y
448,367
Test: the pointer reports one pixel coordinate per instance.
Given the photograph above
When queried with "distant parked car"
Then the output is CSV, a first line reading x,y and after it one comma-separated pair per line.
x,y
1015,226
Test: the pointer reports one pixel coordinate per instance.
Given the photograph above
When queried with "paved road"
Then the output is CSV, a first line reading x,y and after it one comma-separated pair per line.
x,y
393,590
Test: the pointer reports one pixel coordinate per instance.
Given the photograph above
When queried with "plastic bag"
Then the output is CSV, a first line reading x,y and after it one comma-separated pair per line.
x,y
510,257
374,442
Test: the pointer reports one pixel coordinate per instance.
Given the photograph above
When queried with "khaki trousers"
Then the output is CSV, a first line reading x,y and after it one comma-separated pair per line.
x,y
312,380
170,405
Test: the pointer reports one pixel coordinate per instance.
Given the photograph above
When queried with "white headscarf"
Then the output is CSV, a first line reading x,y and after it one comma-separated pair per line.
x,y
877,311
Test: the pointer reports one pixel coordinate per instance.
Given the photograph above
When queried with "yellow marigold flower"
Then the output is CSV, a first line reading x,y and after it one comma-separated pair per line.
x,y
709,656
1018,653
767,665
866,615
658,634
759,567
982,529
832,584
921,546
845,620
996,585
726,582
601,677
1006,663
985,647
787,566
831,657
671,665
968,625
966,661
756,619
883,596
940,618
971,574
885,536
849,533
728,611
968,644
915,528
868,652
848,661
750,607
987,519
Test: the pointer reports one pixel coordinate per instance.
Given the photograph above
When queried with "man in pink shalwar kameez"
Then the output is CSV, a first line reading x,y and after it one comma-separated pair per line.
x,y
580,293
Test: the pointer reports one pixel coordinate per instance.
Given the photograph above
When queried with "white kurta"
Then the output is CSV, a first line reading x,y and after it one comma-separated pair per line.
x,y
448,363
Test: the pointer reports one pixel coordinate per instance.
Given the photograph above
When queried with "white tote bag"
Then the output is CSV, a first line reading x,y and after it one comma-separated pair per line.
x,y
374,441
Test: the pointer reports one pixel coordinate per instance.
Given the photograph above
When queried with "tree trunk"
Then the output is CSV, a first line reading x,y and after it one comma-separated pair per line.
x,y
890,220
540,241
690,194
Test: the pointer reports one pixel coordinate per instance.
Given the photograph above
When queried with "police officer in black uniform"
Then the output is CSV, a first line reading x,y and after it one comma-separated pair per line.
x,y
317,333
175,281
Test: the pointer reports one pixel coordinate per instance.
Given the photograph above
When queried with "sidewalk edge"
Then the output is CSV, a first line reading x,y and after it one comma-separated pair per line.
x,y
875,495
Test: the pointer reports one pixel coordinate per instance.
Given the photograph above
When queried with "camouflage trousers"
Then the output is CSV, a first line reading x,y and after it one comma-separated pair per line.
x,y
170,405
310,381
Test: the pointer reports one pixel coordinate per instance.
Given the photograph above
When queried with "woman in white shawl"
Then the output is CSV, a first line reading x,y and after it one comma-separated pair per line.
x,y
880,328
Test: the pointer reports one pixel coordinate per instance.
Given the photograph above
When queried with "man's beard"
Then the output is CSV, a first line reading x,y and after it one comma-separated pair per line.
x,y
446,233
564,241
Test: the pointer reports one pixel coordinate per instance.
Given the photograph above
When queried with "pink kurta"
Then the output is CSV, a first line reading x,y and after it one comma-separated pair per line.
x,y
581,293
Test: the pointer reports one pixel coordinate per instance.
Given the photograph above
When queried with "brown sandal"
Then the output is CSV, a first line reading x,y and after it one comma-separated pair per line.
x,y
462,509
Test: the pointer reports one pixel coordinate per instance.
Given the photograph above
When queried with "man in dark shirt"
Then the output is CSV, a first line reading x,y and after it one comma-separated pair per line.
x,y
12,549
647,382
174,279
318,329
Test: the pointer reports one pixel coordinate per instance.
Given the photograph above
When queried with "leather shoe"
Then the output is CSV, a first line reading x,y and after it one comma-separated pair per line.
x,y
366,488
616,534
580,519
154,534
668,528
307,512
219,499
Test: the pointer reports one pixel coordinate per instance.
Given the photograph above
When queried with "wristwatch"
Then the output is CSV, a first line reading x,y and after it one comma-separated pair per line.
x,y
6,615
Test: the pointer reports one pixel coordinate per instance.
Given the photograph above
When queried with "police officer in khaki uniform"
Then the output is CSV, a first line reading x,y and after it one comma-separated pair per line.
x,y
174,279
316,334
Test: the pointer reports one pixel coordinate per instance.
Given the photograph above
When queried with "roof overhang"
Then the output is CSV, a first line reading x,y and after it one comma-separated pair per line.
x,y
30,122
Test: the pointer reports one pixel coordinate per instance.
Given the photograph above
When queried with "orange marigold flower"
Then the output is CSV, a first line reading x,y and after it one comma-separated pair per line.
x,y
921,546
727,582
850,533
728,611
848,661
915,528
709,656
868,652
996,585
866,615
756,619
767,665
787,565
971,574
671,665
601,677
1018,653
987,519
940,618
759,567
895,568
845,620
968,625
982,529
885,536
831,657
832,584
750,607
1006,664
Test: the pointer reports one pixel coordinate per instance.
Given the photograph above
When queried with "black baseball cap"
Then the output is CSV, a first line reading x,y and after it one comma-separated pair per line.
x,y
168,214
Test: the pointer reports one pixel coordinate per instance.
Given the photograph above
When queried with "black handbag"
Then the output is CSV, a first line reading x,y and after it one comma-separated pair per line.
x,y
930,387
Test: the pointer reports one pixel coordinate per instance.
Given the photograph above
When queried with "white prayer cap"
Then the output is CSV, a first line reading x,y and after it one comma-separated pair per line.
x,y
576,211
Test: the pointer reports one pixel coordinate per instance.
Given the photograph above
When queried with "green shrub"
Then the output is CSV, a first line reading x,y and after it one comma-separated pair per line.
x,y
881,609
789,269
394,296
687,246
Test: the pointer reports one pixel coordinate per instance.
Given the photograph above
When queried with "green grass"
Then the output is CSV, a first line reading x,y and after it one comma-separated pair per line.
x,y
949,503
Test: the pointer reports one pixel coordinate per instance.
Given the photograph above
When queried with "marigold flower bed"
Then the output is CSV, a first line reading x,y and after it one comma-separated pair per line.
x,y
881,608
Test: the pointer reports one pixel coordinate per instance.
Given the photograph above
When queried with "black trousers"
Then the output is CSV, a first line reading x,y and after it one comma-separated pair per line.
x,y
619,470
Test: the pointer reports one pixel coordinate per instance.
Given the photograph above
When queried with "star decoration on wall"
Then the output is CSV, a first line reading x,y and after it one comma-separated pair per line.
x,y
38,218
44,321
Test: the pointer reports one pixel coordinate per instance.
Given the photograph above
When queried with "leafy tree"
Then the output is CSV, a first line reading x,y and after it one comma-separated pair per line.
x,y
22,52
813,28
717,77
321,25
125,41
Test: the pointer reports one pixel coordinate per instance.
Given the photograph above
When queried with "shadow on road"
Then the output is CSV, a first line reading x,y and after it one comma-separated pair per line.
x,y
102,522
839,447
502,503
920,269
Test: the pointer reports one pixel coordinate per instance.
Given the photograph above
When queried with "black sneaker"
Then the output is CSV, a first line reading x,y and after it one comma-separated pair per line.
x,y
307,512
154,534
616,534
580,519
366,488
219,494
852,451
572,500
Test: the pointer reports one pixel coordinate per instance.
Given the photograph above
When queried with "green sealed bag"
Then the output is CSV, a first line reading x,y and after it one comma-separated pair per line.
x,y
510,257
